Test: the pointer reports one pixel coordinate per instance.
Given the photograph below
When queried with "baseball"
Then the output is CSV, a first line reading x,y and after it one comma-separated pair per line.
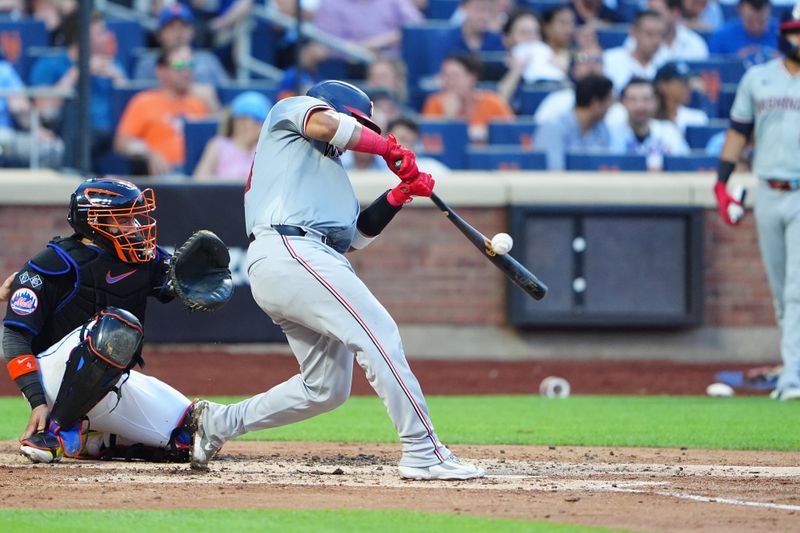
x,y
554,387
719,390
502,243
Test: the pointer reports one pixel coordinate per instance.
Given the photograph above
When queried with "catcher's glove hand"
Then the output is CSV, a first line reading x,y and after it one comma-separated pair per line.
x,y
199,274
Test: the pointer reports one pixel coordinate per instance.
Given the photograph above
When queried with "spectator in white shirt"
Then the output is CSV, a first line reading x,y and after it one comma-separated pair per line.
x,y
561,101
643,134
674,92
621,64
680,43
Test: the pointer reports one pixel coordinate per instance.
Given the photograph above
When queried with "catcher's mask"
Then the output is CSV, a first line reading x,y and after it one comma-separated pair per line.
x,y
346,98
115,214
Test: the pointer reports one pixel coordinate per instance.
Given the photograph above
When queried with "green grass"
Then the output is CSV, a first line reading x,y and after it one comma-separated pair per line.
x,y
746,423
241,521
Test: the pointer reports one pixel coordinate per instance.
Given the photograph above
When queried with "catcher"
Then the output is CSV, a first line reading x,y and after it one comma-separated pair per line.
x,y
73,329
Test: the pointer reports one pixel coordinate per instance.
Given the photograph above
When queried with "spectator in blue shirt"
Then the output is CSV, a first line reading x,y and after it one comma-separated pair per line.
x,y
753,36
474,34
582,129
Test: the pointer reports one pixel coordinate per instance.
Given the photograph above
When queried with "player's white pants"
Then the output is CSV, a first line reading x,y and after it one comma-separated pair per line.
x,y
147,411
778,222
328,314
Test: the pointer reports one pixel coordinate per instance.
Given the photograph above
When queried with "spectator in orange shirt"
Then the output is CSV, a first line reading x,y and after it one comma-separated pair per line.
x,y
151,128
459,98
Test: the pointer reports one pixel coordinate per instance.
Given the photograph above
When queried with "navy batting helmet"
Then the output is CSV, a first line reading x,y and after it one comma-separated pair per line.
x,y
790,23
115,215
346,98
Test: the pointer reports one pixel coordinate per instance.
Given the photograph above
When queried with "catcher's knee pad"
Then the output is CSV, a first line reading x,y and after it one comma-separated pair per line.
x,y
109,348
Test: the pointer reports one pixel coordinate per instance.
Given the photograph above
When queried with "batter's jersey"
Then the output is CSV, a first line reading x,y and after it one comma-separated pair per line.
x,y
296,180
769,97
68,282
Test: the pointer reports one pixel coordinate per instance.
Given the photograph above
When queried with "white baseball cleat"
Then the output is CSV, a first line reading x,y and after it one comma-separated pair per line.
x,y
451,468
202,448
786,395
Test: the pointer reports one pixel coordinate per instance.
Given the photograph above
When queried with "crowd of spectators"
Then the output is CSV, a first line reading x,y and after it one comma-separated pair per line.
x,y
613,76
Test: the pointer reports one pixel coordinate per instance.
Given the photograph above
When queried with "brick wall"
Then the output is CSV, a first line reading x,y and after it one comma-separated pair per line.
x,y
424,272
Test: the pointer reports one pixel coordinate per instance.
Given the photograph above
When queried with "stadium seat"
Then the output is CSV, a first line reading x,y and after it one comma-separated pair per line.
x,y
504,157
531,96
226,93
690,163
129,36
446,140
196,134
519,133
612,36
727,69
726,97
606,162
698,136
441,9
422,51
120,97
16,36
540,6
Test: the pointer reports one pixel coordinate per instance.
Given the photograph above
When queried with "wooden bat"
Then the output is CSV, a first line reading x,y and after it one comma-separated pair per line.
x,y
513,269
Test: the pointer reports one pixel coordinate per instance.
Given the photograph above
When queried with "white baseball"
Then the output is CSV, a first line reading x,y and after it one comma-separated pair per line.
x,y
502,243
554,387
719,390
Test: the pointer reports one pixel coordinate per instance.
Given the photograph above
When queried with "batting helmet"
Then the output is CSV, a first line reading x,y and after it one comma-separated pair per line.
x,y
115,215
346,98
790,23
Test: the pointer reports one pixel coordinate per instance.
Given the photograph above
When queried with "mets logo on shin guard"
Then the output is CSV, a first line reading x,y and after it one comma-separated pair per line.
x,y
24,301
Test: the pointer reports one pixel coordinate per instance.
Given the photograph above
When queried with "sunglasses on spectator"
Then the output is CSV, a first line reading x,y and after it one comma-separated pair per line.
x,y
180,65
583,57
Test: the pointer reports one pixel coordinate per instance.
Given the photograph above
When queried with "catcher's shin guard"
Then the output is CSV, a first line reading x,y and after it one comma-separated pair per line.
x,y
109,348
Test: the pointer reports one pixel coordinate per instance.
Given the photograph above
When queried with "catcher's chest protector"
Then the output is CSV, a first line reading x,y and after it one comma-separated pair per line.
x,y
102,280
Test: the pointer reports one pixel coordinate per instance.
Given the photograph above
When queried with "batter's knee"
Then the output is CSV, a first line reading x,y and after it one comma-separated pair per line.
x,y
329,396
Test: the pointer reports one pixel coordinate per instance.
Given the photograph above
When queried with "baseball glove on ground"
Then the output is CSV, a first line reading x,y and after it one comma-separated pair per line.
x,y
199,273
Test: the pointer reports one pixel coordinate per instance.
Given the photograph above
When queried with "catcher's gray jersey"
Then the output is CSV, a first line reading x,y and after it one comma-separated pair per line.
x,y
769,97
296,180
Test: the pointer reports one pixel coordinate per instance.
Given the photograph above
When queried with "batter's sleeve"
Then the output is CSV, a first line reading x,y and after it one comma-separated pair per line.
x,y
292,114
742,109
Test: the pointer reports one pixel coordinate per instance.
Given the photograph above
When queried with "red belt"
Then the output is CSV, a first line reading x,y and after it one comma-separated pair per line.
x,y
784,185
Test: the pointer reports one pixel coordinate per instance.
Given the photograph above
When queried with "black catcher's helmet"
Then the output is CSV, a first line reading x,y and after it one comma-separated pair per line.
x,y
346,98
115,215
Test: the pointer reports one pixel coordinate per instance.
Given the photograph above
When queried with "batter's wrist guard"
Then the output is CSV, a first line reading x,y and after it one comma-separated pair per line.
x,y
724,170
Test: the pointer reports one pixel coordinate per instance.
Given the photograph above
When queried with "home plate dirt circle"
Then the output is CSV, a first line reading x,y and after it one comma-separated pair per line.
x,y
641,489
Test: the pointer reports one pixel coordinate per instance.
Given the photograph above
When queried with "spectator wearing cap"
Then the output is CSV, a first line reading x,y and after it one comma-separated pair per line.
x,y
175,27
582,129
680,42
674,92
752,36
621,64
475,34
229,155
151,127
460,99
642,134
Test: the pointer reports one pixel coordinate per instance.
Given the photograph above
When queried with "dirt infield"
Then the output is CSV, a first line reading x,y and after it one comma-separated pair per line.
x,y
636,489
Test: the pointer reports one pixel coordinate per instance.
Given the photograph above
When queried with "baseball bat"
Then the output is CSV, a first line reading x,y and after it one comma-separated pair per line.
x,y
513,269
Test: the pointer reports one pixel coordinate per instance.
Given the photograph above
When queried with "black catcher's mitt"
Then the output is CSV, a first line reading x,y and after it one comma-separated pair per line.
x,y
199,273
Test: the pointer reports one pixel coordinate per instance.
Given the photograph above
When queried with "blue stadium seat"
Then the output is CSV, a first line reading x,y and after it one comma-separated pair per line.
x,y
196,134
129,35
531,96
540,6
504,157
606,162
690,163
16,36
612,36
729,69
441,9
422,51
628,9
726,97
519,133
226,93
446,140
120,97
729,11
698,136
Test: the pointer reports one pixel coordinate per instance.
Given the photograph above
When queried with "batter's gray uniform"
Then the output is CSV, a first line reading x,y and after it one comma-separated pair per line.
x,y
310,290
769,98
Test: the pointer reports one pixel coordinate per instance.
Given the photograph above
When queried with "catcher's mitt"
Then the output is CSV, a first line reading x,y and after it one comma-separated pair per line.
x,y
199,273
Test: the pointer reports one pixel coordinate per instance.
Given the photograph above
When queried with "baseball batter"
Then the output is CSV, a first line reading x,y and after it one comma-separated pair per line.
x,y
303,215
73,331
767,104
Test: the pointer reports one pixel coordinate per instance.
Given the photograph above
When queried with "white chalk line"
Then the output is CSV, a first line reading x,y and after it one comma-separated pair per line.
x,y
711,499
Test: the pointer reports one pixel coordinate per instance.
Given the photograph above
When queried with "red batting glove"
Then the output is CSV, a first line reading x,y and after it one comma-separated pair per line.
x,y
727,204
400,159
421,185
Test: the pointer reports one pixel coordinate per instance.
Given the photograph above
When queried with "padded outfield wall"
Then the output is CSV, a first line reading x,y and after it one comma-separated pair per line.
x,y
450,301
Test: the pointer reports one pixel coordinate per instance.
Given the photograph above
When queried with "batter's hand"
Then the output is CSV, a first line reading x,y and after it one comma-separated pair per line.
x,y
421,185
400,160
5,288
37,422
730,208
